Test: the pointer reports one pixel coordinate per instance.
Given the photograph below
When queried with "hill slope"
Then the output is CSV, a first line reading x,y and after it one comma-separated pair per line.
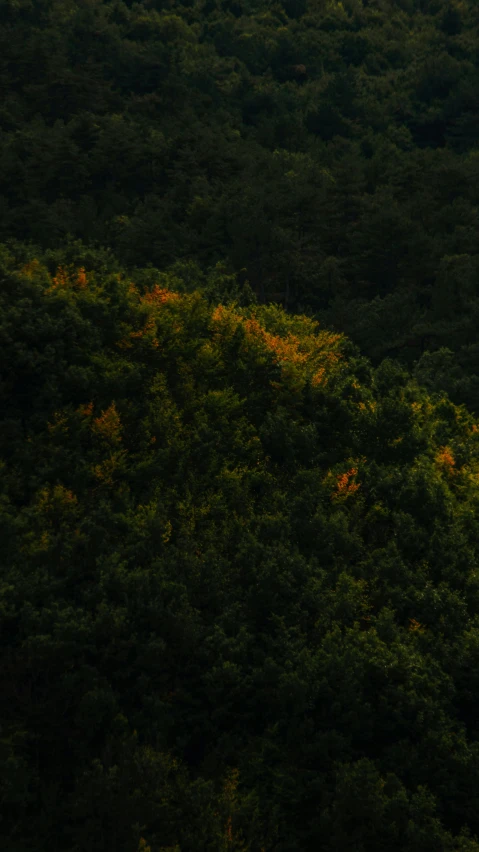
x,y
325,151
239,579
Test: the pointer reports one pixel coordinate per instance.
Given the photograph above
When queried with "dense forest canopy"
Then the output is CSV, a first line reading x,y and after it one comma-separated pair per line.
x,y
240,578
239,447
327,152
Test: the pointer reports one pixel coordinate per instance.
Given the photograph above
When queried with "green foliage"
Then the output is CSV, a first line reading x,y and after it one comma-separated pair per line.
x,y
239,563
320,154
238,576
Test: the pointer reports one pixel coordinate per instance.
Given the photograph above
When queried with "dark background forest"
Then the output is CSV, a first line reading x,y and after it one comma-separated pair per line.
x,y
239,454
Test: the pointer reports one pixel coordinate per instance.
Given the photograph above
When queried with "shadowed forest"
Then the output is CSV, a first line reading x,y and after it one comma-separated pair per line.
x,y
239,446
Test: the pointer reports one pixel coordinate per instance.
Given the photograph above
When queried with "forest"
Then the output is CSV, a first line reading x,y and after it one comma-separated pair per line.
x,y
239,434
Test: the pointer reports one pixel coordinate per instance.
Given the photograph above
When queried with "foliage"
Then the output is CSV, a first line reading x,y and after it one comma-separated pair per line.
x,y
324,153
239,483
239,578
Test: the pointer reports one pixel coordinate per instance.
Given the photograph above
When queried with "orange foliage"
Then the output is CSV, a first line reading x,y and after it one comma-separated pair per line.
x,y
108,424
445,458
124,343
144,332
64,280
220,314
319,377
229,831
328,355
344,486
60,279
85,410
30,268
160,296
285,348
317,350
81,280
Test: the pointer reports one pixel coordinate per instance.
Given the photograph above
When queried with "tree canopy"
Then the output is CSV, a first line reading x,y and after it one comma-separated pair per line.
x,y
239,577
327,152
239,447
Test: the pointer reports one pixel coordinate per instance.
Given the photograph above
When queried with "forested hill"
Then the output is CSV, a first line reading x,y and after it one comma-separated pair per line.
x,y
327,152
239,447
239,580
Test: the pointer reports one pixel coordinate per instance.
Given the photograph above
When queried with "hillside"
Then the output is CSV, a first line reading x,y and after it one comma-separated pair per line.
x,y
239,578
239,446
326,152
